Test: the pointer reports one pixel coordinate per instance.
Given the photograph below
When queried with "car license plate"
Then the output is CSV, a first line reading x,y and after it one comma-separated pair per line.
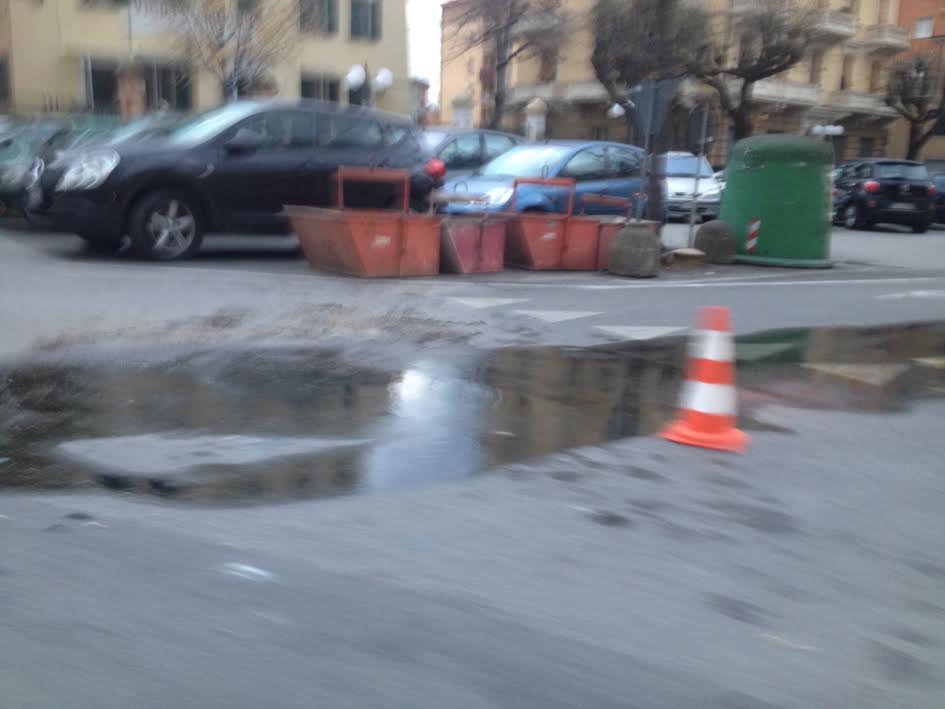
x,y
903,205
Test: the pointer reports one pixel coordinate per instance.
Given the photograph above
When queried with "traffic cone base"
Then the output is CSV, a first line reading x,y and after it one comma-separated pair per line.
x,y
733,440
709,400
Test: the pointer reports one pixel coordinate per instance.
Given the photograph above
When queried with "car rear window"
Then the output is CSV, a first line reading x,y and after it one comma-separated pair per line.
x,y
900,170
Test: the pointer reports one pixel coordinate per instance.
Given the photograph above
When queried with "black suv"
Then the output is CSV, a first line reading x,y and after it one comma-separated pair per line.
x,y
229,170
869,192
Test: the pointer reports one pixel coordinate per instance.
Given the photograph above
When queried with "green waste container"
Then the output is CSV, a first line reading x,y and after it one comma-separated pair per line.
x,y
778,200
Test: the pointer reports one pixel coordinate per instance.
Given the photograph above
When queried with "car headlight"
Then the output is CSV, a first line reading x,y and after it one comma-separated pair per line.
x,y
711,195
88,171
496,196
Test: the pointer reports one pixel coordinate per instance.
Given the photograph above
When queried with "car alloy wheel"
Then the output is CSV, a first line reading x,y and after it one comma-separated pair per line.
x,y
850,216
171,228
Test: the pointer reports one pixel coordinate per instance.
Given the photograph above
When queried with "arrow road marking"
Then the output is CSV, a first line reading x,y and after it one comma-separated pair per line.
x,y
920,294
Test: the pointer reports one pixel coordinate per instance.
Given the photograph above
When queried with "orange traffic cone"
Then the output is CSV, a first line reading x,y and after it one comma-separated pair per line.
x,y
707,411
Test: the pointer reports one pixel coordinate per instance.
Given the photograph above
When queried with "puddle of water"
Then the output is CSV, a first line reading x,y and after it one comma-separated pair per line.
x,y
269,425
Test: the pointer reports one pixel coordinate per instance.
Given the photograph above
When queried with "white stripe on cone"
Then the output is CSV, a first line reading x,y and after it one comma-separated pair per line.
x,y
712,344
716,399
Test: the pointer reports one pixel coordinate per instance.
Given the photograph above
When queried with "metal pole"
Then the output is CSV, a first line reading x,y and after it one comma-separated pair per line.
x,y
648,148
695,190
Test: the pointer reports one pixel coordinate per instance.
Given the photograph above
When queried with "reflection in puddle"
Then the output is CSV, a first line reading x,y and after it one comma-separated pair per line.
x,y
283,424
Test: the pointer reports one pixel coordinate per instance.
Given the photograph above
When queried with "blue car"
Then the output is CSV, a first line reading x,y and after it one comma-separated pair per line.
x,y
598,168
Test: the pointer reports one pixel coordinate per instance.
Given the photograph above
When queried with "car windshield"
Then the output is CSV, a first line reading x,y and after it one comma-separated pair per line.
x,y
432,138
210,124
686,166
142,129
527,161
901,170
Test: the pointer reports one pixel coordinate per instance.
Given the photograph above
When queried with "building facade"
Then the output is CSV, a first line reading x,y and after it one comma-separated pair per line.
x,y
924,20
63,55
841,82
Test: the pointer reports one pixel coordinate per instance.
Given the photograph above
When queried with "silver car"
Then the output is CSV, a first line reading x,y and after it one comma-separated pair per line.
x,y
680,172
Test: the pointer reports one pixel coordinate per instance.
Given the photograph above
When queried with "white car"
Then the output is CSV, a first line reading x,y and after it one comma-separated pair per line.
x,y
680,171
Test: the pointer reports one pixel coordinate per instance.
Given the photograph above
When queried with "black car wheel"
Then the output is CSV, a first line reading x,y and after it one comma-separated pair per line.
x,y
853,216
920,227
165,225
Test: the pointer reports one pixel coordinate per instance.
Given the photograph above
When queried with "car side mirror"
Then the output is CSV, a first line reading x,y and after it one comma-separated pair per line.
x,y
245,141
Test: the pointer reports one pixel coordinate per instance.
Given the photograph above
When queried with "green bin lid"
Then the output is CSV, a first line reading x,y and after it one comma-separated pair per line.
x,y
772,149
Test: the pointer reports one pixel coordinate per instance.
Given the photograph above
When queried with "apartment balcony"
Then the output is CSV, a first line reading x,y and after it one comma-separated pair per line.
x,y
885,39
834,26
575,92
786,93
852,102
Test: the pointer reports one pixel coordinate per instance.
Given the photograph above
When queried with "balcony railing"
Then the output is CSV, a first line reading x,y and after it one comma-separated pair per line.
x,y
789,93
885,39
834,25
861,102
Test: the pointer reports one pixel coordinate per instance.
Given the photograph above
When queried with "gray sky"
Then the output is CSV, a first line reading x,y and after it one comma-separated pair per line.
x,y
423,40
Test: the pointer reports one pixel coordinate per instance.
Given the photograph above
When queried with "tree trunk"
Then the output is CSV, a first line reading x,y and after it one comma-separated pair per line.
x,y
655,198
498,106
741,120
741,114
915,140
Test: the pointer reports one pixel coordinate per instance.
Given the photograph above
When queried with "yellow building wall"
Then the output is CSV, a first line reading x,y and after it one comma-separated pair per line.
x,y
48,40
459,70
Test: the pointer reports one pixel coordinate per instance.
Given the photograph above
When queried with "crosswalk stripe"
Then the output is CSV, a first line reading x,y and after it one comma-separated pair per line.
x,y
481,303
640,332
555,316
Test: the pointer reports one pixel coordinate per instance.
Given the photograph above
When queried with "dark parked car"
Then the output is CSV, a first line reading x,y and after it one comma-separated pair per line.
x,y
939,182
869,192
598,168
230,170
464,151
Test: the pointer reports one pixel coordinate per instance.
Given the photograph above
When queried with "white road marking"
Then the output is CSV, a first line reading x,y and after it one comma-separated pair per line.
x,y
482,303
919,294
554,316
933,362
245,571
872,374
639,333
716,283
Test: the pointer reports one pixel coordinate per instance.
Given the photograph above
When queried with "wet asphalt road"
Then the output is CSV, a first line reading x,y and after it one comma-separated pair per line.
x,y
233,293
808,573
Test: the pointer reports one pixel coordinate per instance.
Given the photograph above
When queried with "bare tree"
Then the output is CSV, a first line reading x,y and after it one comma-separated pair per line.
x,y
735,51
506,30
916,91
635,41
237,41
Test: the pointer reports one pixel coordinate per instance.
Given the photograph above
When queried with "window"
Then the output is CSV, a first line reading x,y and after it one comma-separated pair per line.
x,y
589,164
104,89
548,65
320,86
846,74
866,147
861,172
463,152
366,19
339,130
318,16
167,87
626,163
816,66
496,145
280,130
876,77
4,80
882,17
923,28
900,170
527,161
